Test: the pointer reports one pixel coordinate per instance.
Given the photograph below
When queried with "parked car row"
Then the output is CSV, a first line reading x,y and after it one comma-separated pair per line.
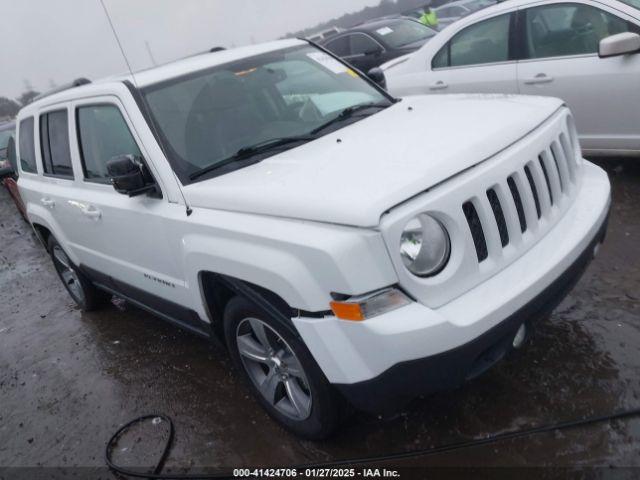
x,y
454,11
373,43
370,44
576,50
451,11
586,52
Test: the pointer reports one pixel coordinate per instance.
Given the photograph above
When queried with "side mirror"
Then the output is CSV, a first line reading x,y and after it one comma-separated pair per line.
x,y
620,44
377,76
129,175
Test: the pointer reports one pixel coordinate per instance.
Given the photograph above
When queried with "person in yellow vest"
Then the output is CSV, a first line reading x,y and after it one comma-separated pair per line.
x,y
429,17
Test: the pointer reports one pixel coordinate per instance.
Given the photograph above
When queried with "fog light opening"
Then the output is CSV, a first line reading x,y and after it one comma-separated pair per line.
x,y
520,337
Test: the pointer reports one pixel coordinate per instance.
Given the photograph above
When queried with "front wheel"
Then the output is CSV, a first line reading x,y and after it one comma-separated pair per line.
x,y
83,292
280,371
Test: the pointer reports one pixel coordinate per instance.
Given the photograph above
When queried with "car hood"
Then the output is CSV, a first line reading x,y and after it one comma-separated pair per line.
x,y
355,174
396,61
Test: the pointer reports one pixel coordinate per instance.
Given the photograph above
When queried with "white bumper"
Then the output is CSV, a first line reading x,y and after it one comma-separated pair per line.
x,y
351,352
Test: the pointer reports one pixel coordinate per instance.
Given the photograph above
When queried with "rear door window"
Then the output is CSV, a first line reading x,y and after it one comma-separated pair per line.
x,y
103,134
480,43
441,60
570,29
27,152
484,42
54,144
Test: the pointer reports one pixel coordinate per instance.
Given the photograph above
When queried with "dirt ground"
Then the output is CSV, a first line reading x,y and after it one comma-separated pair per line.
x,y
68,380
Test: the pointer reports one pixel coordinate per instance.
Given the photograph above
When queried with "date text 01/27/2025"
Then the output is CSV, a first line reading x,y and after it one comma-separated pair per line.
x,y
286,473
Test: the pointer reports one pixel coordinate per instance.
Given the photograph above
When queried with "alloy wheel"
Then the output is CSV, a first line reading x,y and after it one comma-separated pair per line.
x,y
68,274
274,368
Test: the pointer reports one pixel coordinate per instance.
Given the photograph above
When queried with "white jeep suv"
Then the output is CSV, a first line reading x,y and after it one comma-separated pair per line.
x,y
344,244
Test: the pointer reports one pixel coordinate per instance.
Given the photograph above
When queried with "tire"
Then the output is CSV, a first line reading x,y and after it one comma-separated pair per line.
x,y
288,373
79,287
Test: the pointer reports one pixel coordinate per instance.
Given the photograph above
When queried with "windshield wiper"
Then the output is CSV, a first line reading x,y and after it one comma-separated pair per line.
x,y
273,143
349,112
247,152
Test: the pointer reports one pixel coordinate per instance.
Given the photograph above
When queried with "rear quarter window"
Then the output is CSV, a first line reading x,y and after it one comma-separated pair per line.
x,y
54,142
27,152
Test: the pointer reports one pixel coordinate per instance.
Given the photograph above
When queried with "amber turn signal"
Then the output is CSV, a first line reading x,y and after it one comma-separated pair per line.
x,y
347,311
357,309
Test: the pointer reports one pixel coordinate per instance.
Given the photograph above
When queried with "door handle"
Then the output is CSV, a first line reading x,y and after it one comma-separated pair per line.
x,y
439,85
92,212
47,202
538,79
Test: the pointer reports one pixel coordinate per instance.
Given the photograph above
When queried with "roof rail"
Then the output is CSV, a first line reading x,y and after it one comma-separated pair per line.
x,y
67,86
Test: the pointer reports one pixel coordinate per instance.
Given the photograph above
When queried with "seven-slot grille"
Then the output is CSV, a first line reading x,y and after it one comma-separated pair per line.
x,y
528,196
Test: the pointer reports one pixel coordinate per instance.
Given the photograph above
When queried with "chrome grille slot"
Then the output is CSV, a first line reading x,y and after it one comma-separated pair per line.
x,y
554,184
546,178
494,201
562,164
534,190
513,188
570,156
558,170
475,227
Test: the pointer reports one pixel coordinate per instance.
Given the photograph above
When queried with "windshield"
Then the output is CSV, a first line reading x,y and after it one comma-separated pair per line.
x,y
632,3
206,117
404,32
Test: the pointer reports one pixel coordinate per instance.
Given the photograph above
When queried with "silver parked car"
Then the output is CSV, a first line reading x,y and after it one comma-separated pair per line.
x,y
450,12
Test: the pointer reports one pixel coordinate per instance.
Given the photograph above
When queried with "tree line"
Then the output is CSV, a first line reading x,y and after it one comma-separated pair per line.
x,y
9,107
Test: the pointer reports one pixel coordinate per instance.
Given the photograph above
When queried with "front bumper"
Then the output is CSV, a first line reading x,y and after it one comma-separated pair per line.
x,y
418,350
450,369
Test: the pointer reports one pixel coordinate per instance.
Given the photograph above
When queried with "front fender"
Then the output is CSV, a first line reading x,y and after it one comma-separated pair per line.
x,y
301,262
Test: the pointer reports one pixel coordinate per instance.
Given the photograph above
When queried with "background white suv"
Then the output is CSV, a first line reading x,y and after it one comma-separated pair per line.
x,y
271,195
586,52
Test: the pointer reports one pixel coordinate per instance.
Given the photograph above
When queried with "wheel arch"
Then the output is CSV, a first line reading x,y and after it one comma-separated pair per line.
x,y
42,233
218,289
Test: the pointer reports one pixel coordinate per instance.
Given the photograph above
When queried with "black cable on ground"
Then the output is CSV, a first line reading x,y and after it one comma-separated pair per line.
x,y
157,475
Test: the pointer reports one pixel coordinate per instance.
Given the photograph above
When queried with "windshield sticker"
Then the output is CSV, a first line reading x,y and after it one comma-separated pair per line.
x,y
327,62
384,31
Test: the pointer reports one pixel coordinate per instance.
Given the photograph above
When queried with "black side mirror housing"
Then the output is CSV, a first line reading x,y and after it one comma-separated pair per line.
x,y
129,175
377,76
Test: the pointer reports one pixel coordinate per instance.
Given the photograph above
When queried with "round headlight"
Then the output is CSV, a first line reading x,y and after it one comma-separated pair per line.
x,y
425,246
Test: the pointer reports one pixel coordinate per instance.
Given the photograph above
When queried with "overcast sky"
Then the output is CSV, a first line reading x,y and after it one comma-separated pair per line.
x,y
45,41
